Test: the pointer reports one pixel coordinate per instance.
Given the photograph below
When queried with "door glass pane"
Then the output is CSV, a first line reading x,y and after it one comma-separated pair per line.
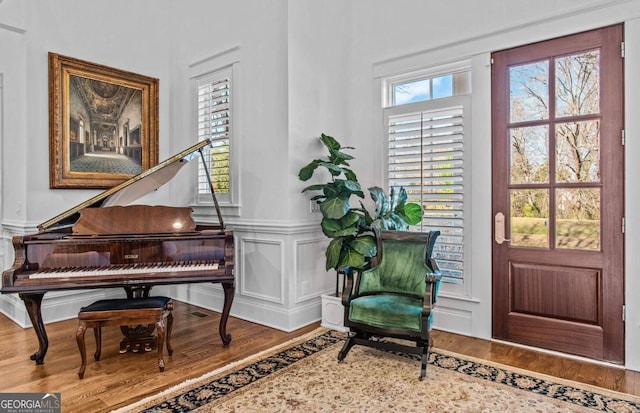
x,y
530,218
578,218
529,155
578,151
578,84
529,91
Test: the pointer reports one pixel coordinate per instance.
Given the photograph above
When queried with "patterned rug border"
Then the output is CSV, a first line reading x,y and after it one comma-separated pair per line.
x,y
540,376
244,372
229,368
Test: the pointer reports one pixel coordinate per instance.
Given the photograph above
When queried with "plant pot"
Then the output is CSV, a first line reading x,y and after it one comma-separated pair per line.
x,y
333,313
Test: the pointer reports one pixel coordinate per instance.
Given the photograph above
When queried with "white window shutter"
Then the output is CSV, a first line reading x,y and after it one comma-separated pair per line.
x,y
426,151
214,122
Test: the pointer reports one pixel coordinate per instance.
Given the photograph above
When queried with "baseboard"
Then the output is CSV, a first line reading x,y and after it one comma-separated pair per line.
x,y
56,306
211,297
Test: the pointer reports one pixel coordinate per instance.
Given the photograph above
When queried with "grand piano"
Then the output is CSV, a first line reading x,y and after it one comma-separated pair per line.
x,y
107,242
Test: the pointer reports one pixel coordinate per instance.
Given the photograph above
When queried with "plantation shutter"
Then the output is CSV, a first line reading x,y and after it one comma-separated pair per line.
x,y
214,115
426,152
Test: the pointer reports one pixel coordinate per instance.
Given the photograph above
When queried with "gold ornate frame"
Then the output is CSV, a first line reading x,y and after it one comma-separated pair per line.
x,y
103,124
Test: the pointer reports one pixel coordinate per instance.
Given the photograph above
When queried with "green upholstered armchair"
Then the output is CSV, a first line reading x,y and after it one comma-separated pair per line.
x,y
395,296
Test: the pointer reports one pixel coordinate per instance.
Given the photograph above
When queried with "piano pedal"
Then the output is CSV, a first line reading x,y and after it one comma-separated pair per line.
x,y
124,348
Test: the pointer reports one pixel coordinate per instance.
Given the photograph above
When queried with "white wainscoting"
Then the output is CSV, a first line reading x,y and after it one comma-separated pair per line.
x,y
262,263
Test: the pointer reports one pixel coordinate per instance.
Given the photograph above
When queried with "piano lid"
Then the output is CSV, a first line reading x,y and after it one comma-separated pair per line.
x,y
134,188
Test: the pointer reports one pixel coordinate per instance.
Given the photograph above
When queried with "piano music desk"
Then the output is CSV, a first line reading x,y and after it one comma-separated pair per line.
x,y
125,312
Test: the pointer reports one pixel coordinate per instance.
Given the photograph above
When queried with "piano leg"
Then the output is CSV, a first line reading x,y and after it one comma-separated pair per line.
x,y
33,303
229,292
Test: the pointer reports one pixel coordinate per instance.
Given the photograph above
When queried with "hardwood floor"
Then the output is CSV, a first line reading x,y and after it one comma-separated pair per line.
x,y
597,374
120,379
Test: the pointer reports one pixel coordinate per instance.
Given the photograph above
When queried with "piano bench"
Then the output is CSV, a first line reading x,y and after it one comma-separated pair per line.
x,y
125,312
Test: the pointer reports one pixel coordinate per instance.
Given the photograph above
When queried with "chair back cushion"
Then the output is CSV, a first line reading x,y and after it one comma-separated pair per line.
x,y
401,269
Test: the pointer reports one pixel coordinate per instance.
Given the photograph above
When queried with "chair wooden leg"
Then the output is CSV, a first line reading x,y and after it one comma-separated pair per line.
x,y
81,346
423,368
97,332
425,345
349,342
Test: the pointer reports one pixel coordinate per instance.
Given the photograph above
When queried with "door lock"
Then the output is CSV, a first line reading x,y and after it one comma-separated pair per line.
x,y
498,222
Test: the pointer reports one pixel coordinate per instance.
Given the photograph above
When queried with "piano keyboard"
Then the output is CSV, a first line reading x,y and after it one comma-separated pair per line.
x,y
126,269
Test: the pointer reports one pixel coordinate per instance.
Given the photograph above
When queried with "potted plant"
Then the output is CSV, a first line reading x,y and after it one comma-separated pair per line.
x,y
350,228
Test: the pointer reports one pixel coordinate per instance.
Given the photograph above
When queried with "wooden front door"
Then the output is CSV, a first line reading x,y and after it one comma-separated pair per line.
x,y
558,201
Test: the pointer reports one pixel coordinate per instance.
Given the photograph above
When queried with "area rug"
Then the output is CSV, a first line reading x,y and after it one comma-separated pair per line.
x,y
304,375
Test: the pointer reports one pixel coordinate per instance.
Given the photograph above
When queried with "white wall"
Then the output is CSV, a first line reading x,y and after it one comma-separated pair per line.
x,y
303,67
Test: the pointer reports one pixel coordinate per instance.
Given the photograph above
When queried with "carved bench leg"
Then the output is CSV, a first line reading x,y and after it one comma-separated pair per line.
x,y
97,333
169,326
81,346
161,334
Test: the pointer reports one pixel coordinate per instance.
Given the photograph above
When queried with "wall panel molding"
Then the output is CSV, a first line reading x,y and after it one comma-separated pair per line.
x,y
261,269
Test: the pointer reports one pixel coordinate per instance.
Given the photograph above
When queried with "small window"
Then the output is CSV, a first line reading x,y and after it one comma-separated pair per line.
x,y
214,122
410,90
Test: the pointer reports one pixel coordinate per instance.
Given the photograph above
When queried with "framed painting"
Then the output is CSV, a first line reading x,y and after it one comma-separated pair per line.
x,y
103,124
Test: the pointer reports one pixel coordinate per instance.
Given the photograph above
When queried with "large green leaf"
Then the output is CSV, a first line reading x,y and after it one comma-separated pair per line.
x,y
352,258
314,187
365,245
333,254
331,225
396,222
334,169
338,157
341,232
307,171
329,142
412,213
348,186
380,198
333,228
401,196
350,219
349,174
334,208
331,190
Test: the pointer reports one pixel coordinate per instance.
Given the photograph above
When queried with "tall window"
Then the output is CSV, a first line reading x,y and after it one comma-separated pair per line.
x,y
214,122
425,121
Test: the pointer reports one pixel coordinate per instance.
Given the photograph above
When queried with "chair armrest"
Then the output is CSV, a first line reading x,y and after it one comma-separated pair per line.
x,y
349,274
432,280
433,277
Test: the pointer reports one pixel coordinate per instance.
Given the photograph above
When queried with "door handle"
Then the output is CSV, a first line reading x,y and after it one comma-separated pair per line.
x,y
498,225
